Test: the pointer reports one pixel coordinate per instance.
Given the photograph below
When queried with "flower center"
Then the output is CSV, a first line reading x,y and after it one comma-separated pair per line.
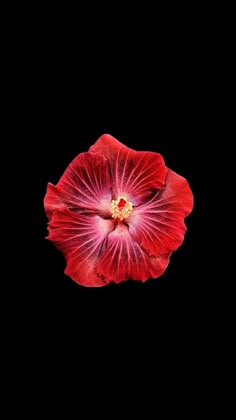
x,y
121,208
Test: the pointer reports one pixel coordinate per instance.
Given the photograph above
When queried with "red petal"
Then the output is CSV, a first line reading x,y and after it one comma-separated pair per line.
x,y
158,225
81,239
135,174
84,187
123,259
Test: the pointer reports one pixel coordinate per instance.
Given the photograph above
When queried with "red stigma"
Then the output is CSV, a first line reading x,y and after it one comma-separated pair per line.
x,y
121,203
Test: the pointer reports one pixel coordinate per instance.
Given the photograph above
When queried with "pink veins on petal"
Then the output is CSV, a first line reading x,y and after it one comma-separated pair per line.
x,y
117,214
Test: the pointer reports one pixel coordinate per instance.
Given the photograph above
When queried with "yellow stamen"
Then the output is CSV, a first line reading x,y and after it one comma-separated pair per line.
x,y
121,208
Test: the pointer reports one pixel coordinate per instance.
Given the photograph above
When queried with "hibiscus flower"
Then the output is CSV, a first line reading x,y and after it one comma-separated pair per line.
x,y
117,214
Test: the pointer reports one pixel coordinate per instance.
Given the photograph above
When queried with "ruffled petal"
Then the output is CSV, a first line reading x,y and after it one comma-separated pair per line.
x,y
123,259
158,225
81,239
135,174
85,187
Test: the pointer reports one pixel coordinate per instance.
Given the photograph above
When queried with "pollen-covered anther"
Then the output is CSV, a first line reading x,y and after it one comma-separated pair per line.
x,y
121,208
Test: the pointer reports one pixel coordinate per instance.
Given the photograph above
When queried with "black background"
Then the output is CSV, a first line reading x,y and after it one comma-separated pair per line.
x,y
153,79
153,86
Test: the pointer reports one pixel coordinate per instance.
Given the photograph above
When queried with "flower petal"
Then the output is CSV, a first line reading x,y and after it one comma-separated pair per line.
x,y
135,174
81,239
85,187
123,259
158,225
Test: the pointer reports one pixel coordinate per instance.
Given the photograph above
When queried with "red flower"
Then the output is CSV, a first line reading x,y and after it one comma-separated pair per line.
x,y
117,214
